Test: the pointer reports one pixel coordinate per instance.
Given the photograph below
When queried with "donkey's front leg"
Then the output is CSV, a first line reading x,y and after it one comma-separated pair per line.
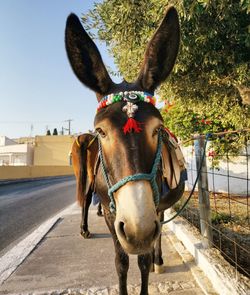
x,y
144,262
121,258
122,265
157,255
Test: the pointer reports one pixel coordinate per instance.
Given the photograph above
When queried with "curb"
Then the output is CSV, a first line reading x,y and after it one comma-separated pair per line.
x,y
15,256
199,276
220,273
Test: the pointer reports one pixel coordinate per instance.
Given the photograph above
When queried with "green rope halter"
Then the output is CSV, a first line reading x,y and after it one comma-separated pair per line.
x,y
139,176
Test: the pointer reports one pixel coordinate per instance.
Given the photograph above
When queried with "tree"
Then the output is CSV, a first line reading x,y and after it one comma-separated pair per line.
x,y
55,131
202,93
48,132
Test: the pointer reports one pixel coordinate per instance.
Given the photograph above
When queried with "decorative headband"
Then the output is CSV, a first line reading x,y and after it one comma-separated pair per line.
x,y
131,98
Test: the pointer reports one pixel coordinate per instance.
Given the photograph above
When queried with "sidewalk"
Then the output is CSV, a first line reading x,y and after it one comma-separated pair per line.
x,y
65,263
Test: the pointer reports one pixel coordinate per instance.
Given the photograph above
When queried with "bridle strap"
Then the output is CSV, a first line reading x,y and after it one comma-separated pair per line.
x,y
135,177
105,175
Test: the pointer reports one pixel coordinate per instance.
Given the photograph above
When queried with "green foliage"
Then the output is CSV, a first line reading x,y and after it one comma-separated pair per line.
x,y
221,218
213,58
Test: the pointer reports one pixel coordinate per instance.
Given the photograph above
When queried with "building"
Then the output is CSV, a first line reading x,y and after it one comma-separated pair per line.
x,y
21,140
14,154
6,141
53,150
41,151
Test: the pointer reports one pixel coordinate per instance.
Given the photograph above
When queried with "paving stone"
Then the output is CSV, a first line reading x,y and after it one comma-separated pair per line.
x,y
187,292
176,286
137,290
165,288
187,285
113,291
153,289
90,292
102,292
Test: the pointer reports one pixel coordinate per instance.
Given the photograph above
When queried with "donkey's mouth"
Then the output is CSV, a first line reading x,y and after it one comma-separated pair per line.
x,y
137,248
134,243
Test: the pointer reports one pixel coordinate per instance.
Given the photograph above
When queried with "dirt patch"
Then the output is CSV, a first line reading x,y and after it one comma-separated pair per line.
x,y
230,226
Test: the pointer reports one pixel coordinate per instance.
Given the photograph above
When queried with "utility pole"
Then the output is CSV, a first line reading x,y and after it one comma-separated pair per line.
x,y
31,130
69,122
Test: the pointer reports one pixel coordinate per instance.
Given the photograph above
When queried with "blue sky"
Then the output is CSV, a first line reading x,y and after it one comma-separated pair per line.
x,y
37,85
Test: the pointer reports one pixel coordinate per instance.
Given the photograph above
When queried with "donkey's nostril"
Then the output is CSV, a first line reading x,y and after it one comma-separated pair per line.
x,y
121,228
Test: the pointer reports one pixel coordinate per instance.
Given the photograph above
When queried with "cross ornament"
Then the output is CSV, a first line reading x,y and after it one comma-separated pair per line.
x,y
130,108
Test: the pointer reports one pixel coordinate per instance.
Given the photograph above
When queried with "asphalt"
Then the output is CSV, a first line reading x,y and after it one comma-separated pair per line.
x,y
25,205
55,259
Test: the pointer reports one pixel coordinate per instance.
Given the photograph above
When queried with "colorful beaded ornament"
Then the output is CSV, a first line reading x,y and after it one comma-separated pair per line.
x,y
131,98
135,96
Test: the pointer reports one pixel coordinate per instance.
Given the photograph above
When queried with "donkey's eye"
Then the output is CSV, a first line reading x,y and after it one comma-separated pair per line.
x,y
156,130
100,132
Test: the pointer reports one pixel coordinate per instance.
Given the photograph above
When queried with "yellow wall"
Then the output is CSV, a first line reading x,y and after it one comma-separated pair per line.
x,y
52,150
22,172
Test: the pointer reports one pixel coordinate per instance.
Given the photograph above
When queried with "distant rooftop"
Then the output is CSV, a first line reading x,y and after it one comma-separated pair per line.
x,y
22,140
4,140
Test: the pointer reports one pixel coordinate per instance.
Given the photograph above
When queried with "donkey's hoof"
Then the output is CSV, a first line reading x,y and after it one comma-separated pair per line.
x,y
99,213
152,268
159,268
85,234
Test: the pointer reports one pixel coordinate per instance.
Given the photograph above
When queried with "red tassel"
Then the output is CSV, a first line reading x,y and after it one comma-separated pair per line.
x,y
131,125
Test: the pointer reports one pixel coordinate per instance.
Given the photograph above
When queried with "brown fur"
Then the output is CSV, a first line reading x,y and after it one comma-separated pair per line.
x,y
83,159
123,154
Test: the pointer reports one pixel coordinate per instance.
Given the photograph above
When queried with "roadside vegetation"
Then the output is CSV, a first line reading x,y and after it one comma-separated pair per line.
x,y
230,226
209,88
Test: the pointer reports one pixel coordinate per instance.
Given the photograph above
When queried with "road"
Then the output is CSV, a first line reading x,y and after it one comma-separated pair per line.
x,y
24,206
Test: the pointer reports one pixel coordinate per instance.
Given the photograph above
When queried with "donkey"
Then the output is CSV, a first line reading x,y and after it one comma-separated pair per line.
x,y
130,160
84,156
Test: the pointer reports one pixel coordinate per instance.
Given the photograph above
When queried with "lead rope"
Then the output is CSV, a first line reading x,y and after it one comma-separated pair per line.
x,y
139,176
105,175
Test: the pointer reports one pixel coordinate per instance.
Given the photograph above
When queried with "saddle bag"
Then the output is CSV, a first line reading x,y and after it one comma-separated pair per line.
x,y
173,162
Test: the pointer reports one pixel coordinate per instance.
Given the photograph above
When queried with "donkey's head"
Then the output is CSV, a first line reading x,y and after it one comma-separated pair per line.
x,y
128,125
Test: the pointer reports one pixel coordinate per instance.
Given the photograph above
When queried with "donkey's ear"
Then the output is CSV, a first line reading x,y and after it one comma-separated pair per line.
x,y
161,52
85,58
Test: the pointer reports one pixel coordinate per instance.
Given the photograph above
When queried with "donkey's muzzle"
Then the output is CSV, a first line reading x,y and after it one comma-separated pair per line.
x,y
130,241
137,225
